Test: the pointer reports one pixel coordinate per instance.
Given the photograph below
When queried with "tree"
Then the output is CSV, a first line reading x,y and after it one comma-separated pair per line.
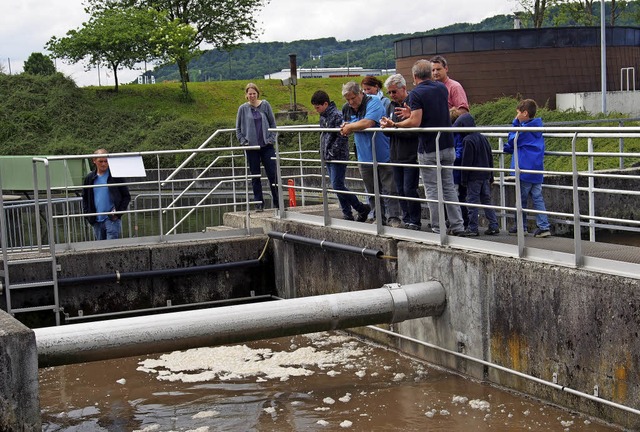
x,y
171,41
577,12
39,64
535,11
618,8
221,23
113,37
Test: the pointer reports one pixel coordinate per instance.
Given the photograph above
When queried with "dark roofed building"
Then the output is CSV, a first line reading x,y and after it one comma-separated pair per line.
x,y
534,63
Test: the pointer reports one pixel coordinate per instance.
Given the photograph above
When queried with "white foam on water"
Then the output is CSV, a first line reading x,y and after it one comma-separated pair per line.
x,y
346,424
346,398
205,414
480,405
328,401
236,362
150,428
459,399
398,377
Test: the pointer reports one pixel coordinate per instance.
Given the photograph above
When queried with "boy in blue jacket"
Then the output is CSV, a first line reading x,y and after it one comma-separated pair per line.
x,y
530,157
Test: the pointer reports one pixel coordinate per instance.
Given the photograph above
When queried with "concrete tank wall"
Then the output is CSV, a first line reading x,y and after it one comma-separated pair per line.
x,y
534,318
19,399
145,292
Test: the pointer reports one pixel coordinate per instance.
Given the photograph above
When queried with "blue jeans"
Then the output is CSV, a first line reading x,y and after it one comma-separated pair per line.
x,y
535,191
107,229
264,155
406,179
479,192
337,173
430,180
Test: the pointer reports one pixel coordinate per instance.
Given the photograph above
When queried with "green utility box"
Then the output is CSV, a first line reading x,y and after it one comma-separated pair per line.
x,y
16,173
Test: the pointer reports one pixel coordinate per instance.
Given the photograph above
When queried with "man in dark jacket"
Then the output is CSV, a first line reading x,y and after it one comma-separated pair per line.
x,y
476,152
335,147
404,150
106,197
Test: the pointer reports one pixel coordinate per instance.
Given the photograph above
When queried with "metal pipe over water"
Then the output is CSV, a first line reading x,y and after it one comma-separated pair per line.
x,y
125,337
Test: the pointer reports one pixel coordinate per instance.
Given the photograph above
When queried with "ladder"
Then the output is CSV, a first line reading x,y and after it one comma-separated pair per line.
x,y
11,260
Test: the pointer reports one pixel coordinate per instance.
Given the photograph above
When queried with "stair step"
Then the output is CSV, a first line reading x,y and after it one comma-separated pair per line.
x,y
23,285
34,309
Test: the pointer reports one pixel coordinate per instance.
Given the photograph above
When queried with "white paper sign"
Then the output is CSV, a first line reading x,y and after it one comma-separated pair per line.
x,y
126,166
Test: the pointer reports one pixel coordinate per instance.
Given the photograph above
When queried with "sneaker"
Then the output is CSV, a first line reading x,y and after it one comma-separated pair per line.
x,y
461,233
469,233
362,215
259,208
514,231
540,233
492,231
348,217
412,226
371,217
394,222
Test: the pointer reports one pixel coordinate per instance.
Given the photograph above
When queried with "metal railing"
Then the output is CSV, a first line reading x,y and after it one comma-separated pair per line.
x,y
160,206
189,199
576,208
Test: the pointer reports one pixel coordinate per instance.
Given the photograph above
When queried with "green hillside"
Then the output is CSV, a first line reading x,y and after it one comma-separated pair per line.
x,y
51,115
255,60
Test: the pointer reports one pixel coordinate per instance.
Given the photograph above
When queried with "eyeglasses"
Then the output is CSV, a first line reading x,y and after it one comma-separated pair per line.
x,y
391,92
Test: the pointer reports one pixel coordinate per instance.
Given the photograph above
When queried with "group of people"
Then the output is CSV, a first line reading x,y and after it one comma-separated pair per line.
x,y
436,101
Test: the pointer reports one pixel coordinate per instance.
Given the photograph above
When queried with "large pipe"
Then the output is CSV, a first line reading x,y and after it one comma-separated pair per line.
x,y
323,244
125,337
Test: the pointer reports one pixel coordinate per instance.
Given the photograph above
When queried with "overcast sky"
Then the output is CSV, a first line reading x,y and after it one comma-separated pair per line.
x,y
26,25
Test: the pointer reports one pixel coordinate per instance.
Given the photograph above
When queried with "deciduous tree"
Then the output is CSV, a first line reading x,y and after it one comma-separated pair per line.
x,y
113,37
220,23
535,11
39,64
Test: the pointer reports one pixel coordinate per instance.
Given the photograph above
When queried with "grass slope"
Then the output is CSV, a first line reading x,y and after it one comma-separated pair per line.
x,y
50,115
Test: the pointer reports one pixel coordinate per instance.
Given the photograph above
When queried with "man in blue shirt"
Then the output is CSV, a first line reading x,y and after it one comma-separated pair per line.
x,y
106,197
362,112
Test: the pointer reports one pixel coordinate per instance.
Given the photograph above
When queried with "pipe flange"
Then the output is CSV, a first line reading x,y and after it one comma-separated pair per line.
x,y
400,302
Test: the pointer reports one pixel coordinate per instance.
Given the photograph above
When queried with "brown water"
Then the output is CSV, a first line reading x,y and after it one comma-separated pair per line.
x,y
320,382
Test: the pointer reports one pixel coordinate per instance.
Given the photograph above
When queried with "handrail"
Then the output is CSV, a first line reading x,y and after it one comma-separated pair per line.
x,y
562,216
310,176
193,155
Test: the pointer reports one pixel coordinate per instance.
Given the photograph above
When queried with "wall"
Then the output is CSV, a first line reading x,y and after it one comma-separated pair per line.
x,y
537,319
144,292
625,102
19,399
